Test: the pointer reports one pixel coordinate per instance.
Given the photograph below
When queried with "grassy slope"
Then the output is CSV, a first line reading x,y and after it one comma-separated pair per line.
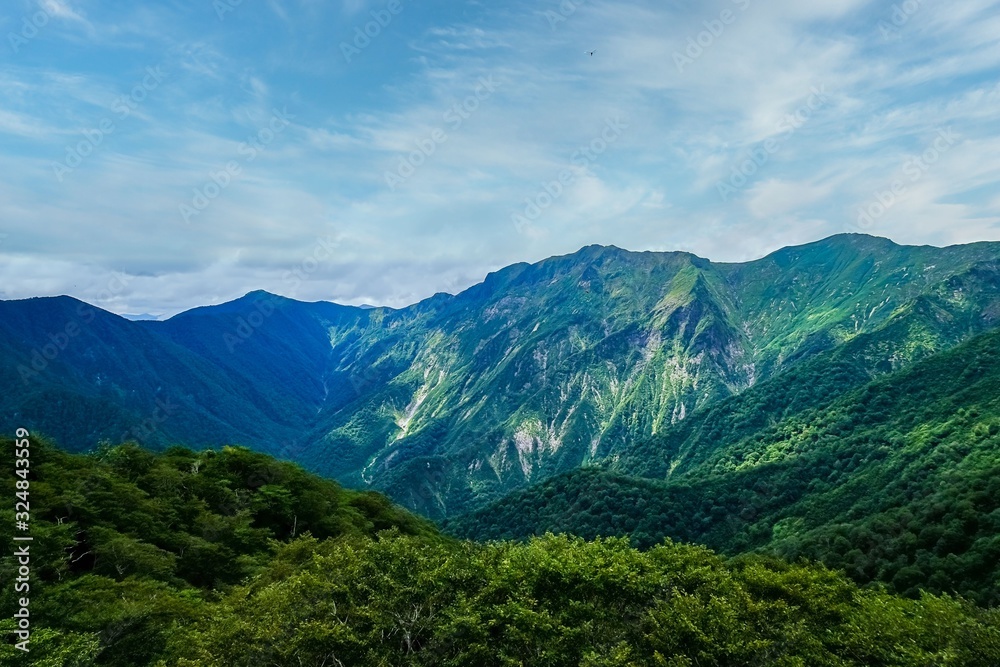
x,y
550,366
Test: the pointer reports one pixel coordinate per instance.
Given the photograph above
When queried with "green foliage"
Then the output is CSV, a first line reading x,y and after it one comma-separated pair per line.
x,y
128,544
231,558
558,601
893,482
571,360
797,408
456,401
51,648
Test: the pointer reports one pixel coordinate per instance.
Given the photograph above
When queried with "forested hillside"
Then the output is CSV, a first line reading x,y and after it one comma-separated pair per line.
x,y
550,366
127,543
456,401
82,375
896,481
230,558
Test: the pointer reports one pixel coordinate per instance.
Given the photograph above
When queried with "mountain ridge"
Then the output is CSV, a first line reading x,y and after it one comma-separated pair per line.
x,y
458,399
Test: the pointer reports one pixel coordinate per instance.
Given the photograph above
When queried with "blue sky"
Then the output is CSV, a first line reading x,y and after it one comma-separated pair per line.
x,y
162,155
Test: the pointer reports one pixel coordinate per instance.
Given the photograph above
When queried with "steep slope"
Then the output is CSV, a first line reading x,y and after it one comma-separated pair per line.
x,y
537,368
544,368
286,349
894,481
810,297
932,322
458,400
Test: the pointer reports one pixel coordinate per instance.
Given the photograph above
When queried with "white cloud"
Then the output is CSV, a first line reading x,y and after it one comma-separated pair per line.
x,y
450,222
774,197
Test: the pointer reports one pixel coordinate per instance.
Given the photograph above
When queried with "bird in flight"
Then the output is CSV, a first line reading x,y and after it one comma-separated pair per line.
x,y
590,53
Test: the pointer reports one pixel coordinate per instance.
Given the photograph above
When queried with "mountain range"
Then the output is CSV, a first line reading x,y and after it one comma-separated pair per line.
x,y
642,363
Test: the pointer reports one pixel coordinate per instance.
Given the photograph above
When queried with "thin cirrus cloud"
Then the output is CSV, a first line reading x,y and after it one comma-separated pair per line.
x,y
417,146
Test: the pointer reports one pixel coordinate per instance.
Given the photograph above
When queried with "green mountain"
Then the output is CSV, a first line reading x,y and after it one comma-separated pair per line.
x,y
458,400
837,402
232,558
896,480
547,367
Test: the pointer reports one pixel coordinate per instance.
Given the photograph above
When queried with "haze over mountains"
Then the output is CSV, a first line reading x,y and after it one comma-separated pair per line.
x,y
458,400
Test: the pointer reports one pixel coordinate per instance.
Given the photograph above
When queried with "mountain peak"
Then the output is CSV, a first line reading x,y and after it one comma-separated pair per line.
x,y
262,294
854,240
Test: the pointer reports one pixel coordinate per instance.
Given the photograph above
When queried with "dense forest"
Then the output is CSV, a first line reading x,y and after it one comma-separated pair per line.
x,y
232,558
127,543
896,481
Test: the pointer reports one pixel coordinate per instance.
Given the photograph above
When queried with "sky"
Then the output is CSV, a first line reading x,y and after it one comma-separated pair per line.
x,y
161,155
